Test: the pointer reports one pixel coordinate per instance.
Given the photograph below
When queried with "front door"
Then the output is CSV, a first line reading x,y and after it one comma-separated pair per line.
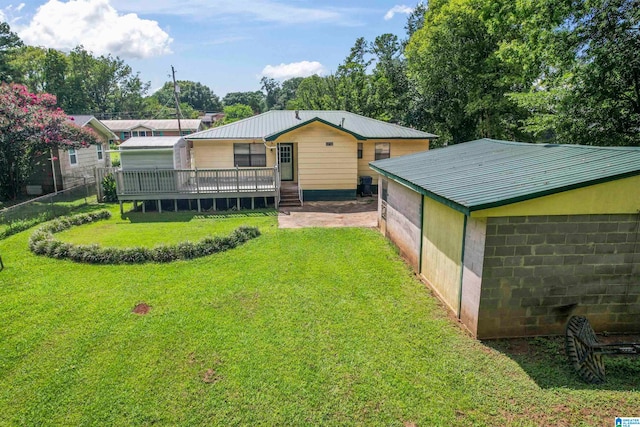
x,y
286,162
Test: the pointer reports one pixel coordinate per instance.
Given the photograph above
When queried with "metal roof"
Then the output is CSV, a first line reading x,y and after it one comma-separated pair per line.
x,y
83,120
151,142
169,124
270,125
488,173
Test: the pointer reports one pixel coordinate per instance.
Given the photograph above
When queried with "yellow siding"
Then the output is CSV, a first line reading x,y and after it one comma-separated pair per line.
x,y
321,167
442,235
398,147
620,196
212,154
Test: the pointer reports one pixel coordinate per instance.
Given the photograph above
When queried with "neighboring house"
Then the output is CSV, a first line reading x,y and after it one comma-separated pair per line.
x,y
72,167
126,129
319,154
516,237
209,119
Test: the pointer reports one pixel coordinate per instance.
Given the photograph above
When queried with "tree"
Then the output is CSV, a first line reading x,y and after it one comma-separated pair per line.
x,y
255,100
272,89
9,41
233,113
198,96
460,78
598,89
31,125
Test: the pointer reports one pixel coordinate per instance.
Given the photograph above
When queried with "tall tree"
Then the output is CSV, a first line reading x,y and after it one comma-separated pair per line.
x,y
460,78
255,100
593,89
198,96
30,125
9,41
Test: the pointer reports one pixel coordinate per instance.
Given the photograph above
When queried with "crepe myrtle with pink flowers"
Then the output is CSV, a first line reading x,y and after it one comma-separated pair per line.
x,y
30,126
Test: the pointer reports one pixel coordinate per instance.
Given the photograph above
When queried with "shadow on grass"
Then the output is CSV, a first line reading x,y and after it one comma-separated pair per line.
x,y
545,361
149,217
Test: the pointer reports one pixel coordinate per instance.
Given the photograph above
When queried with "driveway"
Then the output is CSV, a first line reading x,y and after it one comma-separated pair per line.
x,y
362,212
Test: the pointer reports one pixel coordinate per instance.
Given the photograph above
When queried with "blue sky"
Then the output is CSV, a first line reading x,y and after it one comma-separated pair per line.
x,y
227,45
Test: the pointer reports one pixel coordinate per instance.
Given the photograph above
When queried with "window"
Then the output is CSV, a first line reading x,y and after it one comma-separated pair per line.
x,y
100,151
383,150
245,155
360,144
73,156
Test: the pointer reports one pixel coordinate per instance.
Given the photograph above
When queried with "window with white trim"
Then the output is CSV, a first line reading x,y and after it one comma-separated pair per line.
x,y
73,156
100,151
383,150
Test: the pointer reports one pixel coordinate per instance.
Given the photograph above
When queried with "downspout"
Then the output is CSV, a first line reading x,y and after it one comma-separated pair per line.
x,y
464,241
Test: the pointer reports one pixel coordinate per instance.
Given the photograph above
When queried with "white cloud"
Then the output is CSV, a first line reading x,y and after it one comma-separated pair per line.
x,y
399,8
246,10
294,69
98,27
7,14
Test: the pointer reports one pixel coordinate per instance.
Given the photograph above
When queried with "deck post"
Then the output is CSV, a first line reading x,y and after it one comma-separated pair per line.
x,y
238,202
121,209
159,206
199,207
253,203
214,204
144,207
175,205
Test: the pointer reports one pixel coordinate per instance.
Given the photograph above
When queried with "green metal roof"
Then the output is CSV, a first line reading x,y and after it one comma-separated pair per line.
x,y
270,125
488,173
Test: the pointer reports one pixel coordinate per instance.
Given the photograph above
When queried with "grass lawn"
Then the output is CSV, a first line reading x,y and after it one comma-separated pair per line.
x,y
296,327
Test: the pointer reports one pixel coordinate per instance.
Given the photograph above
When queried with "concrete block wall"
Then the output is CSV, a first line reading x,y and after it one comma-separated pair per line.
x,y
538,270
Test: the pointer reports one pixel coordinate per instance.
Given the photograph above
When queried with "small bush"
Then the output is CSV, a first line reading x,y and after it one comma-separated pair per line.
x,y
42,242
109,189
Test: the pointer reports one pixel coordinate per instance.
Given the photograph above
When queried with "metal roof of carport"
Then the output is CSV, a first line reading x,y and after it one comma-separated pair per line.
x,y
487,173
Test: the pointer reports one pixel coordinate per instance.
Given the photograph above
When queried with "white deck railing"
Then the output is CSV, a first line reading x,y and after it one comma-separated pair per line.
x,y
196,181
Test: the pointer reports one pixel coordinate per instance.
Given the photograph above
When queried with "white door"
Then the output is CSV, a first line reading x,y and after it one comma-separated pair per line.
x,y
286,162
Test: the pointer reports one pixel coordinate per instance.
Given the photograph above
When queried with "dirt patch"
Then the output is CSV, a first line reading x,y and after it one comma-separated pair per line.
x,y
211,376
141,308
360,204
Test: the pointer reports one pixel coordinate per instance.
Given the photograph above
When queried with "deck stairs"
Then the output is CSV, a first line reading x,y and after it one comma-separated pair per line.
x,y
289,196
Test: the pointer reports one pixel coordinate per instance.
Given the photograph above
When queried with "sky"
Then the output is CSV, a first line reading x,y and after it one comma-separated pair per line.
x,y
227,45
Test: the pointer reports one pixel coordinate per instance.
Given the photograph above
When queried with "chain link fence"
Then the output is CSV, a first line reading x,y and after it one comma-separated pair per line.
x,y
24,215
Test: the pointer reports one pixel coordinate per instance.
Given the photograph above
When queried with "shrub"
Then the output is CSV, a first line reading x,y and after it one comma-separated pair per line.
x,y
109,189
42,242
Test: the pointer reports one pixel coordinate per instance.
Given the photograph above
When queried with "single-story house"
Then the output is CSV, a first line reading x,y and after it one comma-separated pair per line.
x,y
319,154
72,167
516,237
126,129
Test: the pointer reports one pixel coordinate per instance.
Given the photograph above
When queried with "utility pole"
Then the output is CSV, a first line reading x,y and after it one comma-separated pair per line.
x,y
176,91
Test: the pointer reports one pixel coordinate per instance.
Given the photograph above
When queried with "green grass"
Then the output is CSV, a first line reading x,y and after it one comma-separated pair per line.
x,y
296,327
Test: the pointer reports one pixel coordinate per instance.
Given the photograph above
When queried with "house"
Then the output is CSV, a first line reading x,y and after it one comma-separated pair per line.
x,y
320,155
126,129
74,166
516,237
209,119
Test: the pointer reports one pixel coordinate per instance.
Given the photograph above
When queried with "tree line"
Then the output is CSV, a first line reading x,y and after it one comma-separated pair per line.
x,y
565,71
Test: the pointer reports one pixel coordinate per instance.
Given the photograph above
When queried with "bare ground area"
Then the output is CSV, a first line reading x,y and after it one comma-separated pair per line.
x,y
362,212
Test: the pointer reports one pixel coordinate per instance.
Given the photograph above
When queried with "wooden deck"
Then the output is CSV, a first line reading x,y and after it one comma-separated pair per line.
x,y
169,184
